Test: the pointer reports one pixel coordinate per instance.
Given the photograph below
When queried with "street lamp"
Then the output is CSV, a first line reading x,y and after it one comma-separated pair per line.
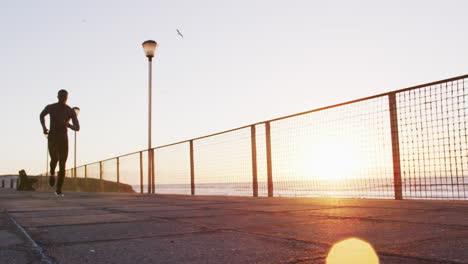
x,y
149,48
77,111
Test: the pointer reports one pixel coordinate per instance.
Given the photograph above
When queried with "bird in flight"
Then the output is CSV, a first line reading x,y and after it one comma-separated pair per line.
x,y
180,34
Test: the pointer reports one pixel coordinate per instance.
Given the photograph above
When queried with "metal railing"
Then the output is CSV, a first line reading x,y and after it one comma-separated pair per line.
x,y
405,144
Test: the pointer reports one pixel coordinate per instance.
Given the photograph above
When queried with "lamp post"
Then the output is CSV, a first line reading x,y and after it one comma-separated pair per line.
x,y
47,158
77,111
149,48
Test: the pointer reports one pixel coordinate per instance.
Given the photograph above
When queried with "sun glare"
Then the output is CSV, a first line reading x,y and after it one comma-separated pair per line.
x,y
352,251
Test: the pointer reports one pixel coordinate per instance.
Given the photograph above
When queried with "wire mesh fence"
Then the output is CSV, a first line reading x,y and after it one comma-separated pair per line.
x,y
172,169
130,171
406,144
80,172
433,136
338,152
223,164
94,171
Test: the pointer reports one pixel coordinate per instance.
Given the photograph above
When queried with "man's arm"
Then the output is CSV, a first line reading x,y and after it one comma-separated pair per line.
x,y
76,123
42,119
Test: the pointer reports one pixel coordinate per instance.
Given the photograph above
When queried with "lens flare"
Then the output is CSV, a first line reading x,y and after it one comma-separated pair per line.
x,y
352,251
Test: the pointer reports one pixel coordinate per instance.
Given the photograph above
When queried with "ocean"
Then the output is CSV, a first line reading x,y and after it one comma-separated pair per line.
x,y
422,188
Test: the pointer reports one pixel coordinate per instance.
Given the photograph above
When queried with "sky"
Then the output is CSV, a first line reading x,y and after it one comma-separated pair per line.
x,y
239,62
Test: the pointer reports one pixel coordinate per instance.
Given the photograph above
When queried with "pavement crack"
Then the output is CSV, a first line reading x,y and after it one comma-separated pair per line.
x,y
35,247
90,224
441,261
64,244
290,239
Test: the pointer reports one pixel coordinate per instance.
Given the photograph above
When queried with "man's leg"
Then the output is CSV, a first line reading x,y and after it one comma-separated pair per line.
x,y
63,155
53,152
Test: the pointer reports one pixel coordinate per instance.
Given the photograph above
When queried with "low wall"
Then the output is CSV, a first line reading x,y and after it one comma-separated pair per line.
x,y
83,185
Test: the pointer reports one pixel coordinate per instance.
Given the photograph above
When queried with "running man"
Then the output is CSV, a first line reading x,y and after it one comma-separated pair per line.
x,y
60,115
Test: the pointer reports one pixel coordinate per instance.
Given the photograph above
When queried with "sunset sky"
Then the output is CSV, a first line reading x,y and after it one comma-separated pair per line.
x,y
239,62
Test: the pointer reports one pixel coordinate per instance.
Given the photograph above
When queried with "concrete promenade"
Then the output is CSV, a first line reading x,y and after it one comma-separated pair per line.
x,y
128,228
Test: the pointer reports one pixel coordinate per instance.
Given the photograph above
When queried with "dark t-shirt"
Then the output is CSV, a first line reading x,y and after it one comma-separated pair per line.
x,y
60,115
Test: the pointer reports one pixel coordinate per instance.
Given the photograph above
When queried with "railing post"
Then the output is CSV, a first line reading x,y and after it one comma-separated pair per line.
x,y
153,182
192,170
268,157
100,176
74,180
85,181
141,172
149,171
395,146
11,183
118,174
253,140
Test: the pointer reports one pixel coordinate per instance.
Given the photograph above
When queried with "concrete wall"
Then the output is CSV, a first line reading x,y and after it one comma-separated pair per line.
x,y
71,184
84,185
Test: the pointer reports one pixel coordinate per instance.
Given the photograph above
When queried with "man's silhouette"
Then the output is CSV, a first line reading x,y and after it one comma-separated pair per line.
x,y
60,115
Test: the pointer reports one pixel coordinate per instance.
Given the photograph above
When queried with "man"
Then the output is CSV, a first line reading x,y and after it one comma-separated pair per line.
x,y
60,114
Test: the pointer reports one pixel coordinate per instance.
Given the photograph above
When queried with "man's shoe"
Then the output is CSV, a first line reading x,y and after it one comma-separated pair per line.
x,y
51,180
58,194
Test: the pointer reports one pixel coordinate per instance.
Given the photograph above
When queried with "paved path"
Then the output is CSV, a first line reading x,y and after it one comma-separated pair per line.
x,y
124,228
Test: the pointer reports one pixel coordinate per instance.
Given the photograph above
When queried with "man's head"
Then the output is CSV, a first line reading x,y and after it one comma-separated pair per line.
x,y
62,96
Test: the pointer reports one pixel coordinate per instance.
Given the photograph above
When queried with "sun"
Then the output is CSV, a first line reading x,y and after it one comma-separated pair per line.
x,y
352,251
329,158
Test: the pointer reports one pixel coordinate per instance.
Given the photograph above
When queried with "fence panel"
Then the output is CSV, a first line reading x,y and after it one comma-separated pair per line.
x,y
433,141
80,172
93,176
172,169
93,171
343,151
223,164
261,160
79,182
130,171
109,175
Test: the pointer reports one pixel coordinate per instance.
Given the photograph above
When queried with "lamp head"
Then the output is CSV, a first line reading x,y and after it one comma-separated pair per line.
x,y
149,47
77,110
